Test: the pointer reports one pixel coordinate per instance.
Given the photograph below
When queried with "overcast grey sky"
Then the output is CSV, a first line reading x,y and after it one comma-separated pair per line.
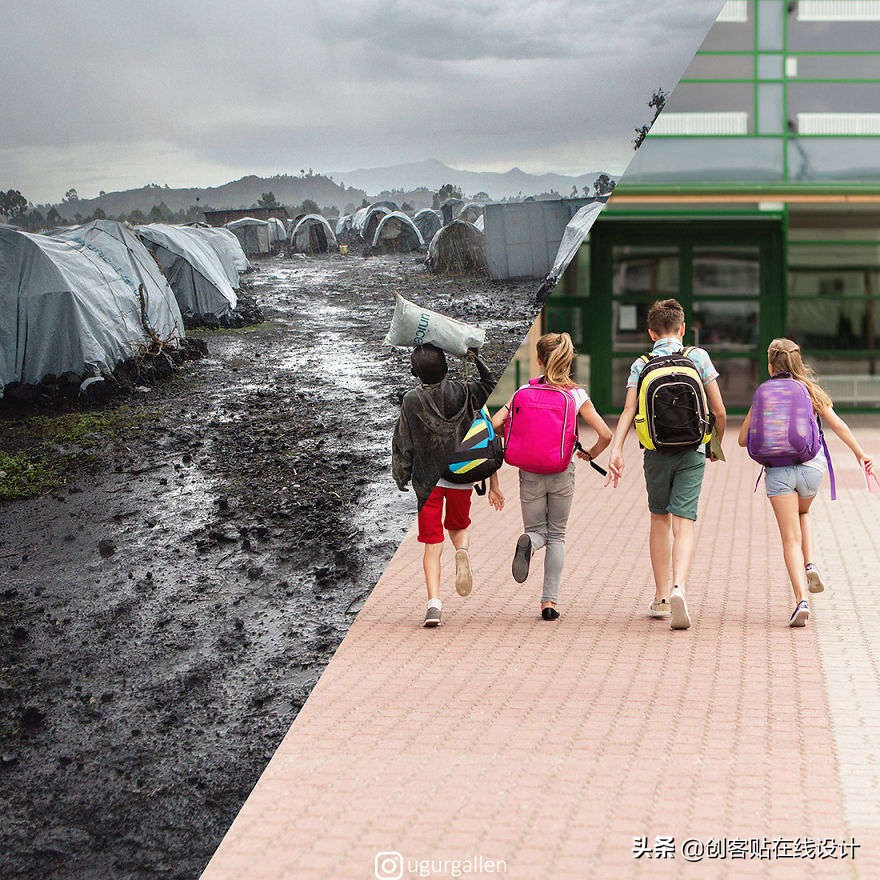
x,y
99,94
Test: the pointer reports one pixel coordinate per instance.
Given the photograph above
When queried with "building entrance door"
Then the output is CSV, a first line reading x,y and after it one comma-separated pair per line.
x,y
728,275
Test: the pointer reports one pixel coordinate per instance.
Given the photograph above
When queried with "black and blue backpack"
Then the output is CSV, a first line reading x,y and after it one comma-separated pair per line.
x,y
478,456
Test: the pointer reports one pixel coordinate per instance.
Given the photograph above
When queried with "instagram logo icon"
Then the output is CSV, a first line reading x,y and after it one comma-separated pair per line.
x,y
389,866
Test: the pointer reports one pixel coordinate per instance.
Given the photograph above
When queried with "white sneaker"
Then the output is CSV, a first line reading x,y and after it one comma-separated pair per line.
x,y
677,605
800,615
814,580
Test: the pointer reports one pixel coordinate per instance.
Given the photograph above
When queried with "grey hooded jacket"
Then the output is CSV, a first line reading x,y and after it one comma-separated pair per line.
x,y
432,421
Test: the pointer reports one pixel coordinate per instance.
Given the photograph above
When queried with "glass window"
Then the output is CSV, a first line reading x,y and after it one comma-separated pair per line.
x,y
834,322
832,98
729,325
813,36
771,108
726,271
720,67
565,319
839,66
712,97
680,160
770,66
849,381
730,36
771,24
811,159
819,256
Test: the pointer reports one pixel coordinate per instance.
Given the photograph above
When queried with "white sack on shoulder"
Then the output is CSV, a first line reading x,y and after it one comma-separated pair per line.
x,y
414,325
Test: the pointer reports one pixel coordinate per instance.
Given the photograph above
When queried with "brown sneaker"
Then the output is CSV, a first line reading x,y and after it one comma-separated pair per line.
x,y
464,579
660,608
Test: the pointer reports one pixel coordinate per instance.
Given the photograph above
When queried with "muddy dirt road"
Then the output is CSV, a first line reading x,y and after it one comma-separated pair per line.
x,y
164,619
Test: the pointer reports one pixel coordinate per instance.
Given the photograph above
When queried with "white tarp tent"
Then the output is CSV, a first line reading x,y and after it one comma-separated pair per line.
x,y
343,224
192,268
397,232
73,304
366,220
277,231
573,237
252,233
428,222
470,212
228,249
312,235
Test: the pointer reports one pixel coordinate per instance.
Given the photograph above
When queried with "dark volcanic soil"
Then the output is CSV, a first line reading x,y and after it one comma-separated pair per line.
x,y
162,621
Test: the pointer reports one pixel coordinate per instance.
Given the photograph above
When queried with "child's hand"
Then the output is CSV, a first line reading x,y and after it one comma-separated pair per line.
x,y
496,499
583,456
615,469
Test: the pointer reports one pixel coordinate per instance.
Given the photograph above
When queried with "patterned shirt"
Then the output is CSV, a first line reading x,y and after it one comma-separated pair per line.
x,y
672,345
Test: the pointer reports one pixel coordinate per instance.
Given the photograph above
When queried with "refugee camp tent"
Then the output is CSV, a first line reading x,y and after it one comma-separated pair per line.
x,y
312,235
228,249
386,203
192,268
69,305
480,222
573,237
428,222
366,220
471,212
397,233
343,224
253,235
449,209
458,249
277,231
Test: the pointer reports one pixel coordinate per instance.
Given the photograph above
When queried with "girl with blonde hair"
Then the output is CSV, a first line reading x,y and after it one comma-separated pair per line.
x,y
546,493
792,488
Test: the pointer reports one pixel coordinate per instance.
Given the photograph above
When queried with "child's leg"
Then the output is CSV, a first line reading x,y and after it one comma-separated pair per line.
x,y
533,502
661,555
460,538
786,509
682,548
806,529
559,499
431,566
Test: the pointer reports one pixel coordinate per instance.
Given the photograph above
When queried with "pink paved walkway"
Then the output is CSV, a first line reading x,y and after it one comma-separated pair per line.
x,y
551,746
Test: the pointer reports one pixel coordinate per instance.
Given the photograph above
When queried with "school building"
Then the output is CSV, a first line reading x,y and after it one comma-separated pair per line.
x,y
755,201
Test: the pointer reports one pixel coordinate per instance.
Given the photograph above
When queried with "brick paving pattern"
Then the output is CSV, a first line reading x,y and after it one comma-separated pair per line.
x,y
551,746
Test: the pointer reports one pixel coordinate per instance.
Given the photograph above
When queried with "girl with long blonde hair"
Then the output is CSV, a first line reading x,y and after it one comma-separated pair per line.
x,y
791,489
546,498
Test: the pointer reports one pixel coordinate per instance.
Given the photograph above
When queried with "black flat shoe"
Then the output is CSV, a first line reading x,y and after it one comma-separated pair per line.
x,y
549,613
522,557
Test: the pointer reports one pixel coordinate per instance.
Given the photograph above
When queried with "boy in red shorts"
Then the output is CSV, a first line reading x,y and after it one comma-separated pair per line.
x,y
434,416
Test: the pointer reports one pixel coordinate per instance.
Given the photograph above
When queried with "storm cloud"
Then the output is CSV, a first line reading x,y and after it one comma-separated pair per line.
x,y
103,95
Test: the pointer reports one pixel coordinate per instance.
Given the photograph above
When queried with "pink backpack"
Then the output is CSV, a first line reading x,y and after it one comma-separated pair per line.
x,y
541,431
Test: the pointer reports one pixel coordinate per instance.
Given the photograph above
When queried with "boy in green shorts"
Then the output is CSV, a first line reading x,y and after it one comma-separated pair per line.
x,y
673,479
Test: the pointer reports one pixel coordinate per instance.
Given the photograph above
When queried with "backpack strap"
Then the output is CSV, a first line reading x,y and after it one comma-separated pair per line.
x,y
828,459
480,488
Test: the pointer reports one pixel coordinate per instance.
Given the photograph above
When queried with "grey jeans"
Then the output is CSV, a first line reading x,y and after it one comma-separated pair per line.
x,y
546,502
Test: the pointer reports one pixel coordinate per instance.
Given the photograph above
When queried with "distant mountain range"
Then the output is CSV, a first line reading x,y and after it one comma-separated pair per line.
x,y
432,174
411,182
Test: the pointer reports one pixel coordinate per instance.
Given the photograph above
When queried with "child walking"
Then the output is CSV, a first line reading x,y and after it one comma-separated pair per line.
x,y
792,487
434,416
673,425
546,496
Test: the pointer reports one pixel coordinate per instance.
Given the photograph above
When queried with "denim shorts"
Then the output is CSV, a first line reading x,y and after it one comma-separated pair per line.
x,y
798,478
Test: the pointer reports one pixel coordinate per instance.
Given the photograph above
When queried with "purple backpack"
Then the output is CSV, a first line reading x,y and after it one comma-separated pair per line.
x,y
784,429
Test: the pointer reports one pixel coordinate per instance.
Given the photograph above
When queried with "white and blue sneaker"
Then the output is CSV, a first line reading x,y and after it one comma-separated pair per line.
x,y
800,615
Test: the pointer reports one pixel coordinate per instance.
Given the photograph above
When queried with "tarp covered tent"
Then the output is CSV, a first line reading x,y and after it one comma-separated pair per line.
x,y
68,305
386,203
343,224
277,231
471,212
228,249
480,222
253,235
573,237
312,235
366,220
192,268
428,222
458,249
397,233
449,209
